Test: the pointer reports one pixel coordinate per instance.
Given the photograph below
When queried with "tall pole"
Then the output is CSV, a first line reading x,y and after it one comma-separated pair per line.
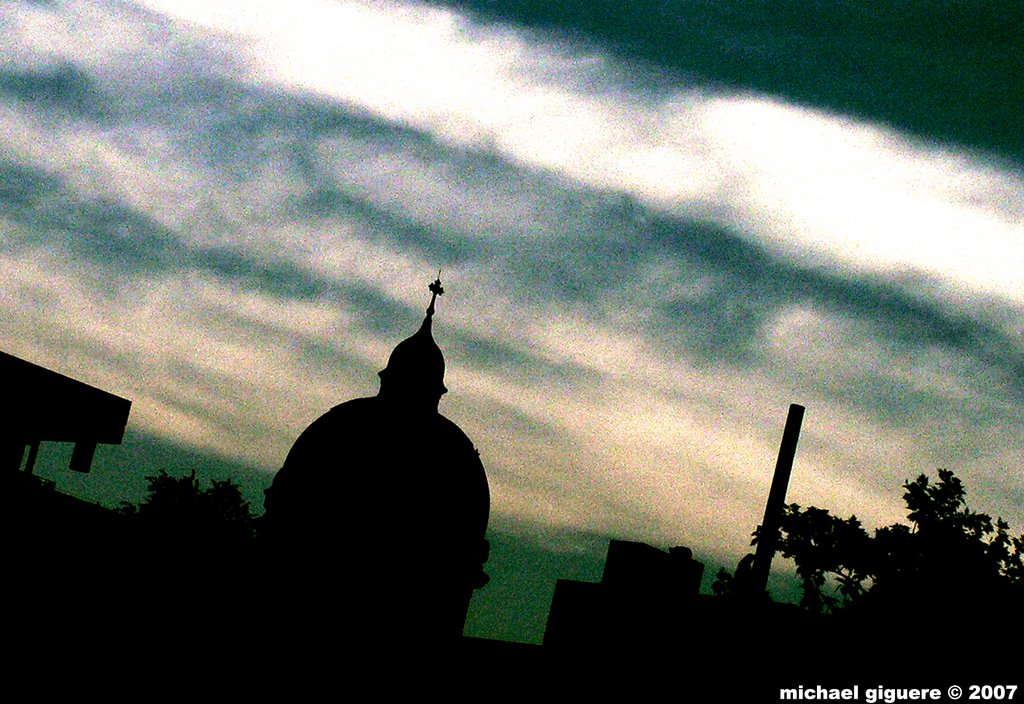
x,y
766,543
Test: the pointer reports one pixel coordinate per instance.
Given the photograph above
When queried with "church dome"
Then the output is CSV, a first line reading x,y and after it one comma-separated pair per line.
x,y
376,522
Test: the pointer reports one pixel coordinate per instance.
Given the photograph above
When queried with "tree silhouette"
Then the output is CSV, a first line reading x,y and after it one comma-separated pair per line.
x,y
177,509
823,546
184,534
192,556
948,555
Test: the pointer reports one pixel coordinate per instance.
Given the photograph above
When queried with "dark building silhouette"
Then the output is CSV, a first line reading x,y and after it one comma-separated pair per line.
x,y
642,589
53,543
646,627
376,520
40,405
58,550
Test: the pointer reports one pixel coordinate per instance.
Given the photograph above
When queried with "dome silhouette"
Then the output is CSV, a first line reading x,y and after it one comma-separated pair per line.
x,y
378,516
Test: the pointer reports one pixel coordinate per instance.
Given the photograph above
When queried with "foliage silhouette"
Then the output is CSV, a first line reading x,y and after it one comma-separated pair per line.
x,y
178,511
949,555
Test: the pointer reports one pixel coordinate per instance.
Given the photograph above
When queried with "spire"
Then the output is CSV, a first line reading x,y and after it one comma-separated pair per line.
x,y
416,365
436,289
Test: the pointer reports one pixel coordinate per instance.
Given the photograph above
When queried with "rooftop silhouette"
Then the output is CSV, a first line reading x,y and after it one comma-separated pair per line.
x,y
44,406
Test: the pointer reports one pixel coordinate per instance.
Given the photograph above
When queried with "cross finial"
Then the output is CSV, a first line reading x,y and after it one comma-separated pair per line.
x,y
436,290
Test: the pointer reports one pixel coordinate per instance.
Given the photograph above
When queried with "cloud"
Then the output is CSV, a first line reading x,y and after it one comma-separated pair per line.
x,y
949,74
56,89
792,178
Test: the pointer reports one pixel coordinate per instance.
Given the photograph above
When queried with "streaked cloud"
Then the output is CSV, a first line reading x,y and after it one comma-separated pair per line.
x,y
795,178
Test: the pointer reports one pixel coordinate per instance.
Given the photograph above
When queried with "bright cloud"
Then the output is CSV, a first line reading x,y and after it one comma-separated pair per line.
x,y
803,182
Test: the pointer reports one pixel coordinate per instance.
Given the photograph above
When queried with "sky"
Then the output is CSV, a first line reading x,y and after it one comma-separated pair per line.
x,y
658,225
